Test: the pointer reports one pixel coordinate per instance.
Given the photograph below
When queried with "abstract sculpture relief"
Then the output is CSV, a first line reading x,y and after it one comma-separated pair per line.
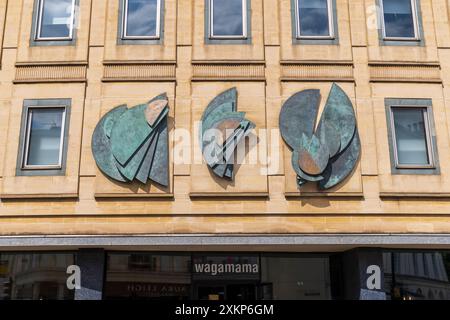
x,y
132,143
222,129
326,154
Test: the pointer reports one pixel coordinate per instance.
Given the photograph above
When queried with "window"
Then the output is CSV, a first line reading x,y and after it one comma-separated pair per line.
x,y
228,19
399,19
55,20
141,19
314,19
412,140
43,137
411,137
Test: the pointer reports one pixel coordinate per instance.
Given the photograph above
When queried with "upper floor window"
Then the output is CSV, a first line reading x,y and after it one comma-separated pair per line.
x,y
141,19
228,19
55,20
43,138
314,19
412,139
411,132
399,20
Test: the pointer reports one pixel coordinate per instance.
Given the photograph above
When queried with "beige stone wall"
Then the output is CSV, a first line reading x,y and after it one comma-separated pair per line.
x,y
97,75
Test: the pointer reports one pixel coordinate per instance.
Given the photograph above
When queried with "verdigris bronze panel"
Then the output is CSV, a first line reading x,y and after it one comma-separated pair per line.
x,y
328,154
222,129
132,143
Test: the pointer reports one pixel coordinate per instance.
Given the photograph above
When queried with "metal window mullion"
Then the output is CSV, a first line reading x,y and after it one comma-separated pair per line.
x,y
394,136
26,143
61,142
430,150
415,18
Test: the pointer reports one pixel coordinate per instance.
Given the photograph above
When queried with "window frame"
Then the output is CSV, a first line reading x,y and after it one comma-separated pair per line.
x,y
331,22
417,36
124,20
38,26
245,23
26,141
429,144
22,168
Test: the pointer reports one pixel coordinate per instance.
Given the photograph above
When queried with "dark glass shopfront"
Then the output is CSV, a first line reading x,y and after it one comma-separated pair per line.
x,y
407,275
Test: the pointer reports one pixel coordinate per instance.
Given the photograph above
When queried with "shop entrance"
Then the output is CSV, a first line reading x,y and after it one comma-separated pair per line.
x,y
226,291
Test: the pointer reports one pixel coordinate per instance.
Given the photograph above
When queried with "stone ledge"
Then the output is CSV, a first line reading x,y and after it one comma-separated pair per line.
x,y
293,70
228,71
49,72
135,71
380,71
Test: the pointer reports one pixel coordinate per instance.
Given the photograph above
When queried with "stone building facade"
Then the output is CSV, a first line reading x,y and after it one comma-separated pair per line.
x,y
383,208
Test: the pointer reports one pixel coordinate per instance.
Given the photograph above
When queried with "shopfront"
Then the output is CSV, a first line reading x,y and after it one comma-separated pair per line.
x,y
175,276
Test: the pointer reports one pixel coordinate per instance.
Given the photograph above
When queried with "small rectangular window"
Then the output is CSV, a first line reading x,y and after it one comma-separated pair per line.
x,y
411,137
44,138
399,18
55,20
141,19
228,19
314,19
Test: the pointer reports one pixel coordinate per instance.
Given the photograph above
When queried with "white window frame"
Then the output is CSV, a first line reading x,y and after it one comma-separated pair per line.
x,y
244,23
125,20
39,24
430,149
26,141
330,22
415,22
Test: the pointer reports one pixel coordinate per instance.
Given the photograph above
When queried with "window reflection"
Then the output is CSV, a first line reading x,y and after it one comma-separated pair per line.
x,y
411,136
45,127
35,276
399,19
313,18
141,18
417,275
227,18
56,19
148,276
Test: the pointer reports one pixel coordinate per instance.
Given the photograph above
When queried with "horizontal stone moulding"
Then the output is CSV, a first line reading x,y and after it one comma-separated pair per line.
x,y
100,196
44,73
341,71
324,194
228,70
228,195
131,71
404,72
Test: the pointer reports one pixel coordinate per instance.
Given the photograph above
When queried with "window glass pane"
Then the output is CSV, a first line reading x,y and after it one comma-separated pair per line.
x,y
398,18
293,278
37,276
45,136
56,19
141,18
417,275
313,15
410,136
148,276
227,18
